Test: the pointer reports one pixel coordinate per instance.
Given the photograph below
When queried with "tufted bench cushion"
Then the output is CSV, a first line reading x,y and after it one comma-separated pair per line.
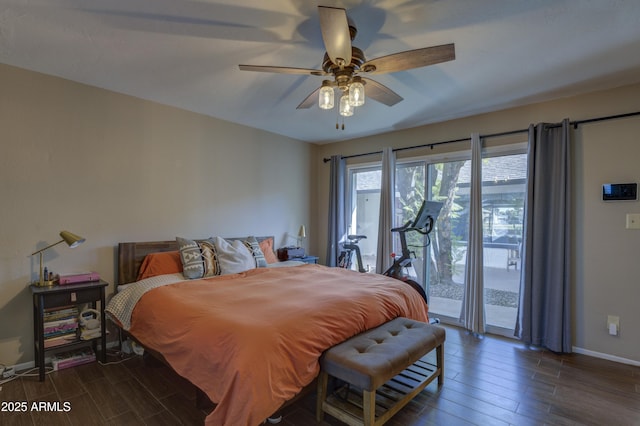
x,y
370,359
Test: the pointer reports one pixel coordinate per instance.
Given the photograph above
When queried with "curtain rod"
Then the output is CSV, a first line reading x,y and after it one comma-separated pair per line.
x,y
575,125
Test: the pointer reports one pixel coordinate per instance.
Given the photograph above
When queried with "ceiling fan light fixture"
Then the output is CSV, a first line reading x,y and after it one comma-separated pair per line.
x,y
343,61
325,97
346,110
356,92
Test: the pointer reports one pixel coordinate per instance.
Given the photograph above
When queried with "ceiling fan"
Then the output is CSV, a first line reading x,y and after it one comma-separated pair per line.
x,y
347,63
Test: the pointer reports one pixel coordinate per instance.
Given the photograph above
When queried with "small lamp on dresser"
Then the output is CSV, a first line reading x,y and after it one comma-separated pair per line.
x,y
302,234
72,241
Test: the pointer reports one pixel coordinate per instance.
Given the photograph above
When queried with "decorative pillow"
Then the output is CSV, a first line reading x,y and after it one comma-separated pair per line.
x,y
160,263
199,258
234,256
254,247
266,246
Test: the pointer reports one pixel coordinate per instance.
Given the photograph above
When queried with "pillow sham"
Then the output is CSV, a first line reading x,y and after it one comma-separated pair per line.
x,y
160,263
199,258
266,246
254,248
233,256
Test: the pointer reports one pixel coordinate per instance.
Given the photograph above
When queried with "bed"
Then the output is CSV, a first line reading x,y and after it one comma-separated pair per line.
x,y
251,340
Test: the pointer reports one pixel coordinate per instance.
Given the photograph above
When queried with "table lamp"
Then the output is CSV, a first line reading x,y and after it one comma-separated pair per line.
x,y
302,234
72,241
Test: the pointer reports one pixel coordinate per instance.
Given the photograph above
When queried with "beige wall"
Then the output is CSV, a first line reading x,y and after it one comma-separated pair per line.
x,y
115,168
606,271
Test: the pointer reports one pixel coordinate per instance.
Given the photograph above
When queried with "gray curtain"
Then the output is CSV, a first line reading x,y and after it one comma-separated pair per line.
x,y
336,226
544,312
472,315
387,210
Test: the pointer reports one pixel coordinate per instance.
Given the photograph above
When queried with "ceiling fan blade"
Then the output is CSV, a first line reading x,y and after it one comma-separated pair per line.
x,y
281,70
310,100
335,33
410,59
381,93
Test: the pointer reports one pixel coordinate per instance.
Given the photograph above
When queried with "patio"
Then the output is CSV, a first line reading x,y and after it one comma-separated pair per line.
x,y
501,291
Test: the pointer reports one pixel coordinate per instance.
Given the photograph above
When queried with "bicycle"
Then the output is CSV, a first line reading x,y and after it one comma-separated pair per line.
x,y
345,258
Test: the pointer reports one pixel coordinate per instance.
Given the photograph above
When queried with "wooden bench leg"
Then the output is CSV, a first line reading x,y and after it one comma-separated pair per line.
x,y
440,363
369,407
323,379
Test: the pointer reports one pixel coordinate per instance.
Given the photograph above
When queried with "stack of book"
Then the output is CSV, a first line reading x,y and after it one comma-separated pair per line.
x,y
60,326
70,359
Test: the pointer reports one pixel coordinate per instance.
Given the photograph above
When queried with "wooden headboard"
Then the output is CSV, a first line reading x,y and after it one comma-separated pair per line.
x,y
131,255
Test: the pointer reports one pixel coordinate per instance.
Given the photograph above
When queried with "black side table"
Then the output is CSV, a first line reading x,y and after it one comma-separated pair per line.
x,y
59,296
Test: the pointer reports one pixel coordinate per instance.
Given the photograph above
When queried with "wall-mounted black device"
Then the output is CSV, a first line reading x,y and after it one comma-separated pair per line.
x,y
619,191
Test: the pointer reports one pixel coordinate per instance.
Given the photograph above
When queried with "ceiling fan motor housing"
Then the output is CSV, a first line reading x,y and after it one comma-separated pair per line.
x,y
344,74
357,59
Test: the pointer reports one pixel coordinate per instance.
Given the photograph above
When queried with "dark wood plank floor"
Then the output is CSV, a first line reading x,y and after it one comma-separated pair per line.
x,y
488,381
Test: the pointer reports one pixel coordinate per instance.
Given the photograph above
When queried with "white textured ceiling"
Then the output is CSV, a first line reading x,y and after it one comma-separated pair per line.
x,y
186,54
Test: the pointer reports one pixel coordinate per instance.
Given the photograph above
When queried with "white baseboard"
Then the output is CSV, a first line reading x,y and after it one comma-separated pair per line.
x,y
605,356
18,368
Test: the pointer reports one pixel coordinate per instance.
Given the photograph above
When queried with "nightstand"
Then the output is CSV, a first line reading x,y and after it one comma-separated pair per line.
x,y
308,259
55,303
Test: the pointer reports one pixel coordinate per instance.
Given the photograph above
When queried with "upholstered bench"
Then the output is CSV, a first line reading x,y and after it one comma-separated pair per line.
x,y
384,366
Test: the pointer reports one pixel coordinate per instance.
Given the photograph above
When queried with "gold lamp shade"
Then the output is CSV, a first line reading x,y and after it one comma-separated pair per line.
x,y
71,239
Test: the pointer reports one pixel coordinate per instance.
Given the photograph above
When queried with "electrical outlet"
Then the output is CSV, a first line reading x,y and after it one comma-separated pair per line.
x,y
613,325
633,220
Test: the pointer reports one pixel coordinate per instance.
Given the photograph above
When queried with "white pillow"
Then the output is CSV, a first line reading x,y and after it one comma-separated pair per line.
x,y
234,256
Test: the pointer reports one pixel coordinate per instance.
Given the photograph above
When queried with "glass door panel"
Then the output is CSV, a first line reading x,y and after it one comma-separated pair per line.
x,y
449,184
503,193
364,195
410,193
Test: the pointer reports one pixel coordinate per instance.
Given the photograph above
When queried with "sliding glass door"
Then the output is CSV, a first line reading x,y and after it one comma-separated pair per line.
x,y
440,258
503,190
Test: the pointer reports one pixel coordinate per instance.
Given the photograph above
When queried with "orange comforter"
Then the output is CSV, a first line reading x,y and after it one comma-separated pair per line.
x,y
251,341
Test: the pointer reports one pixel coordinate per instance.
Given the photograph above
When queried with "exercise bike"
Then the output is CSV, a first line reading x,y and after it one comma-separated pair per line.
x,y
423,224
346,255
